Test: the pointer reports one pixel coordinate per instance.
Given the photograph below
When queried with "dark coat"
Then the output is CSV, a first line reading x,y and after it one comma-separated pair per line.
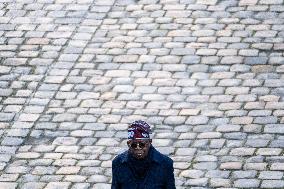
x,y
159,176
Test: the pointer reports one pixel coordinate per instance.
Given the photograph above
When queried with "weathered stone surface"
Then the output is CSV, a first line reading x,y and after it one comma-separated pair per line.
x,y
247,183
272,184
8,185
207,75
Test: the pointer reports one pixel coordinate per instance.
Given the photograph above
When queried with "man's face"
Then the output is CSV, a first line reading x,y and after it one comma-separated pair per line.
x,y
139,148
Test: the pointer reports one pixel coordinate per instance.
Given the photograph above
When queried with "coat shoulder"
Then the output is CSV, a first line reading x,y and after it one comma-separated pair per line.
x,y
119,159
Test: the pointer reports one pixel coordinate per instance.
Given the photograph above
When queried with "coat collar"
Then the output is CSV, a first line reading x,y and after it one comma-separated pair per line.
x,y
155,156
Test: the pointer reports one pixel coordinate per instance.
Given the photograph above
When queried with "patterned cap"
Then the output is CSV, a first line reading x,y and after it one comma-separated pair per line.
x,y
139,130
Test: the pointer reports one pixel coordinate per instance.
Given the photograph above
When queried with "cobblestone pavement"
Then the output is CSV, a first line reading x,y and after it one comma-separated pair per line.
x,y
206,74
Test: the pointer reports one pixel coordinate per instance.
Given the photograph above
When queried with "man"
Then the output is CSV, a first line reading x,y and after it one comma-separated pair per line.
x,y
142,166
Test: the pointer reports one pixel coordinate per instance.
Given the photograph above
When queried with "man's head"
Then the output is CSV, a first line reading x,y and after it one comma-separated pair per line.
x,y
139,141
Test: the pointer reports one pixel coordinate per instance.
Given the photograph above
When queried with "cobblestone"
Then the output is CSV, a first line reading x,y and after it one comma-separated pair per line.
x,y
247,183
206,74
272,184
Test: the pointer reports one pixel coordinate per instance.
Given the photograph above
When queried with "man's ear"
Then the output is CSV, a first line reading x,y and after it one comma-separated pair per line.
x,y
128,143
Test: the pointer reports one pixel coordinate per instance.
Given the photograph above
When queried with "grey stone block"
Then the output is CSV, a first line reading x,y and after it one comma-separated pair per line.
x,y
255,60
247,183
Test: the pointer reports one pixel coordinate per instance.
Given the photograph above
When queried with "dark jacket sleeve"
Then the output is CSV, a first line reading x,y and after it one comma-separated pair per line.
x,y
115,184
170,184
